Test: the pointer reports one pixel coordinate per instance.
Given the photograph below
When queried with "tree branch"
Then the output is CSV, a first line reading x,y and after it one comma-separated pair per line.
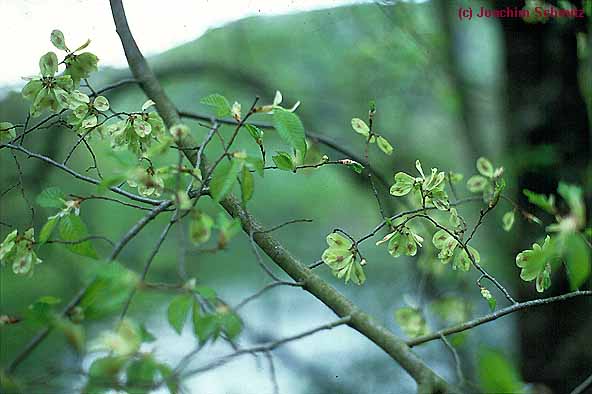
x,y
496,315
427,380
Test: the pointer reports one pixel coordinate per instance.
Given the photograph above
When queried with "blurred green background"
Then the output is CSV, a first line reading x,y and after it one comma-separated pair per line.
x,y
447,92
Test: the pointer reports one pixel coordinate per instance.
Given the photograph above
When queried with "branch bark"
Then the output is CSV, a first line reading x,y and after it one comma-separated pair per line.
x,y
428,381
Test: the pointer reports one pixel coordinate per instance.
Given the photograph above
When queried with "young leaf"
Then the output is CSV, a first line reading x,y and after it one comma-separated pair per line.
x,y
283,161
178,310
223,177
205,326
52,197
545,203
497,374
290,129
255,132
577,258
219,103
73,229
247,185
491,301
47,229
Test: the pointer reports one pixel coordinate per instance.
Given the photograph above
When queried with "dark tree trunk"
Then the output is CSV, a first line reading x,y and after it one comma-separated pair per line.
x,y
545,107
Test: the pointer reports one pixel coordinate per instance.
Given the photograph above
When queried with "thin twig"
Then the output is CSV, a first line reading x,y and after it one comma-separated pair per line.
x,y
496,315
266,347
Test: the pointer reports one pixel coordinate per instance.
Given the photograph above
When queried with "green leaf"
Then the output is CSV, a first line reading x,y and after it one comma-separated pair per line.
x,y
206,292
47,230
360,127
52,197
508,220
540,200
384,145
491,301
533,261
109,289
411,322
109,182
223,177
283,161
485,167
72,228
355,166
57,39
255,132
74,333
218,102
7,131
577,259
247,185
572,195
463,261
205,326
291,130
141,374
231,324
105,369
497,374
48,64
178,310
477,183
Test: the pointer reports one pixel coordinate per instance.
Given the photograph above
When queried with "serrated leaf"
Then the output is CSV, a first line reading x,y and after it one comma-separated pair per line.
x,y
291,130
178,310
218,102
224,177
52,197
72,228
